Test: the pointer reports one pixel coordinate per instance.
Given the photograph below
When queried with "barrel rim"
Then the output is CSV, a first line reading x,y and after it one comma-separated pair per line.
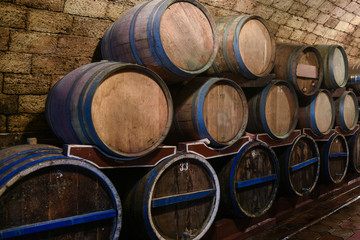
x,y
287,167
157,38
238,210
327,155
198,117
263,97
156,173
351,152
341,111
63,160
292,65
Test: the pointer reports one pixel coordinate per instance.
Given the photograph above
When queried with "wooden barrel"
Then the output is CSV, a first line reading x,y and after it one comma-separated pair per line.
x,y
246,46
318,113
347,111
249,182
335,65
176,39
301,65
354,78
125,109
334,158
44,194
212,108
177,199
273,110
354,152
300,166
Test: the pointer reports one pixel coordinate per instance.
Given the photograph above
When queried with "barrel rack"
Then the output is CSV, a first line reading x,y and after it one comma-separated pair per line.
x,y
229,228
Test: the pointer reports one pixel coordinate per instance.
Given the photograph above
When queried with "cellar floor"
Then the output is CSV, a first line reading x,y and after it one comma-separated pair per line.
x,y
334,219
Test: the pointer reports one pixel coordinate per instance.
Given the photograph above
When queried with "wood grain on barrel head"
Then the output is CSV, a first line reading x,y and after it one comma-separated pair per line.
x,y
187,36
186,218
256,46
339,67
280,109
337,161
323,112
254,164
350,108
129,111
223,112
303,180
307,83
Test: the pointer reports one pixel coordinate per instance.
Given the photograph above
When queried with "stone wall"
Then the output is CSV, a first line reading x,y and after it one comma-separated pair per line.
x,y
43,40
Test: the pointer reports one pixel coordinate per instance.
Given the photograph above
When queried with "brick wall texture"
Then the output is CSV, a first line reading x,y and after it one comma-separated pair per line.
x,y
43,40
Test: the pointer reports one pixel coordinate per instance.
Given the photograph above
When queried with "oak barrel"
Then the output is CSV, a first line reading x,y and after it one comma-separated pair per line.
x,y
354,152
318,113
273,110
301,65
177,199
246,47
335,65
125,109
300,166
176,39
212,108
249,182
44,194
354,77
334,158
347,111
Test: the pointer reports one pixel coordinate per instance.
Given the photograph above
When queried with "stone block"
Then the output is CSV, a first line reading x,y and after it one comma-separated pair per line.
x,y
342,37
52,64
32,42
114,10
273,26
348,17
2,124
322,18
94,28
297,35
266,2
284,32
342,3
295,22
26,84
320,40
264,11
280,17
32,103
332,22
8,104
356,33
310,39
308,26
283,5
12,15
314,4
26,122
51,22
298,9
51,5
4,38
355,21
337,12
327,7
342,26
88,8
15,62
330,33
311,14
352,7
350,29
245,6
76,46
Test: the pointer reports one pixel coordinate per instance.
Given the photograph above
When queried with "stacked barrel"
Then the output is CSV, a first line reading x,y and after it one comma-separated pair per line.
x,y
172,74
